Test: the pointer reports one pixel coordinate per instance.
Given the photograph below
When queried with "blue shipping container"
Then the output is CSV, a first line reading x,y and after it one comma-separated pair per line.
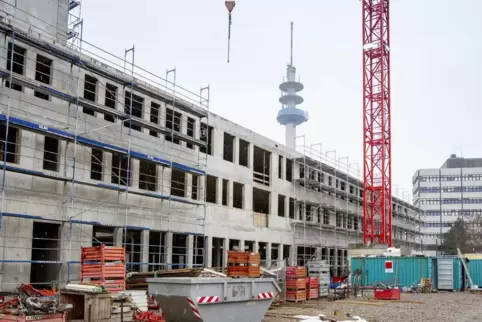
x,y
407,271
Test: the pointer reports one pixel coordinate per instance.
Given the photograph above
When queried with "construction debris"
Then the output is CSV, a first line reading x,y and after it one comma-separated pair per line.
x,y
137,281
31,301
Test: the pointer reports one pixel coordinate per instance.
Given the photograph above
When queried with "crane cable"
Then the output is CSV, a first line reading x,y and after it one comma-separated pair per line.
x,y
230,6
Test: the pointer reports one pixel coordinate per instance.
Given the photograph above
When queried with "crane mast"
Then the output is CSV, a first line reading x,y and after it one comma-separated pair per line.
x,y
377,172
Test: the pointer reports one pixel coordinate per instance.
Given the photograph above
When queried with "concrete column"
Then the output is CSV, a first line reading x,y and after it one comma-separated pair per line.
x,y
146,113
118,236
230,193
236,150
201,191
287,206
268,255
225,251
208,252
248,197
30,62
273,209
219,192
107,167
183,127
168,249
144,250
135,167
166,181
190,250
188,186
241,245
256,246
280,253
250,155
162,115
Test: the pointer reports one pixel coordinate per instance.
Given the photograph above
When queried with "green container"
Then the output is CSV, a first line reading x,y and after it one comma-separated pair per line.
x,y
407,271
457,273
475,271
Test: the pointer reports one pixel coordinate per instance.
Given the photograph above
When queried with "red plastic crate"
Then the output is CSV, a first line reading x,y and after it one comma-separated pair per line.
x,y
103,271
296,284
295,296
103,253
312,293
296,271
312,282
387,294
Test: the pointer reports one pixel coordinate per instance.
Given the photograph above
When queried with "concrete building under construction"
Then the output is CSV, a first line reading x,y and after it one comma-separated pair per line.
x,y
98,150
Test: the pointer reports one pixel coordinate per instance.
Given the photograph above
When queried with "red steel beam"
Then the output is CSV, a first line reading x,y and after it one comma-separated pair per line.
x,y
377,171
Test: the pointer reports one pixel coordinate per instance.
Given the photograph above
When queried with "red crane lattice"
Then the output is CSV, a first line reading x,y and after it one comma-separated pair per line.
x,y
377,200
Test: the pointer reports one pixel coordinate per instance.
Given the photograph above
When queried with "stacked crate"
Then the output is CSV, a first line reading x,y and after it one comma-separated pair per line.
x,y
312,288
104,266
243,264
321,270
296,283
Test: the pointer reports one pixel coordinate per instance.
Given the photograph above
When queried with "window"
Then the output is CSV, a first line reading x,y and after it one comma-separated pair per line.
x,y
42,74
280,167
110,100
261,201
90,92
178,183
51,154
147,175
225,192
136,104
243,153
330,181
291,207
211,189
261,166
173,123
96,164
228,148
342,186
191,123
18,63
289,170
194,187
207,137
154,117
281,205
326,217
120,173
238,195
355,224
11,144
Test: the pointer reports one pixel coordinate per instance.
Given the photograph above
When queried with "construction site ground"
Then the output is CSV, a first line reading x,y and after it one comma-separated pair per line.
x,y
443,306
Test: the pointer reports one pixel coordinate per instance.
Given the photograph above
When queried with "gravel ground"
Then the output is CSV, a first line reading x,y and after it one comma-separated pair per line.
x,y
450,307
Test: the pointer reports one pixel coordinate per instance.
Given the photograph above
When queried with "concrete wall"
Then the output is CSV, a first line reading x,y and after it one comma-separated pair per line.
x,y
47,21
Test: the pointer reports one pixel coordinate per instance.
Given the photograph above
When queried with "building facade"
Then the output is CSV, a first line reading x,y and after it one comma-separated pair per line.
x,y
445,194
98,150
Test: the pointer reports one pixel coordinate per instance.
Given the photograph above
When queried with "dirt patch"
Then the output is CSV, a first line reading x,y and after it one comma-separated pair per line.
x,y
450,307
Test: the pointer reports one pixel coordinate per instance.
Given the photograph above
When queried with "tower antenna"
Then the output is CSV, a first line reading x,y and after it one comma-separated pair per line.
x,y
291,51
290,115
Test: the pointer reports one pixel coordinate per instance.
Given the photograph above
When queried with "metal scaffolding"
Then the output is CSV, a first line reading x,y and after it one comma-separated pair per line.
x,y
99,171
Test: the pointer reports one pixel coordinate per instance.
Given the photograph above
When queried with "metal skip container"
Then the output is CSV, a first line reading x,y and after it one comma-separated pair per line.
x,y
187,299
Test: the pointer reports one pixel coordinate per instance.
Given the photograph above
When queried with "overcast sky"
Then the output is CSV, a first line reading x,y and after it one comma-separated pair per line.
x,y
436,67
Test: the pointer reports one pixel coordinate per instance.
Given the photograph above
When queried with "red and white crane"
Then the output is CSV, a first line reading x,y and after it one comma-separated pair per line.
x,y
377,170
